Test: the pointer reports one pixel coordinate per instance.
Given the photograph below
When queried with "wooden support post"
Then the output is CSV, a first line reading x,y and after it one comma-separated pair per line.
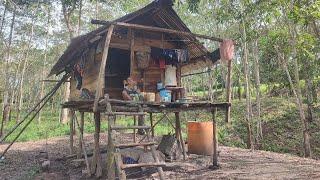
x,y
110,150
228,110
155,29
100,84
83,147
111,159
134,130
141,122
81,126
151,124
178,132
131,37
96,165
71,125
215,164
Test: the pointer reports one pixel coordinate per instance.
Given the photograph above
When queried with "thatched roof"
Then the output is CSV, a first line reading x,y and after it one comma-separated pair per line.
x,y
159,13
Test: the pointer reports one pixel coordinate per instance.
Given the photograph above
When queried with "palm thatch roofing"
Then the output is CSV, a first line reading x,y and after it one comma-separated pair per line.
x,y
158,13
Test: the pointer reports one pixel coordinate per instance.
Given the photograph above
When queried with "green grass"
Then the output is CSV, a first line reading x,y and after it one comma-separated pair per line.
x,y
281,126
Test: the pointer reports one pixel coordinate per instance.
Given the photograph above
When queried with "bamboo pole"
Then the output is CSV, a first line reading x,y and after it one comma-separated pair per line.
x,y
215,164
71,123
155,29
101,78
179,134
45,98
50,94
83,147
229,91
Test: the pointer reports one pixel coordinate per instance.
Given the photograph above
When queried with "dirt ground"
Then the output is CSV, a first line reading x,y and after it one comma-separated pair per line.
x,y
24,160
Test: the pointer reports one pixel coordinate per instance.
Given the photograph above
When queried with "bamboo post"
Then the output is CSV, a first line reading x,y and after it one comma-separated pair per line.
x,y
71,125
80,129
100,84
179,134
96,165
141,121
151,124
228,110
134,130
46,99
131,37
215,164
110,147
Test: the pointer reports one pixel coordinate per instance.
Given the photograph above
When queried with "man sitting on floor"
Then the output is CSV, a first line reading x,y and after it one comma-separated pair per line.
x,y
131,91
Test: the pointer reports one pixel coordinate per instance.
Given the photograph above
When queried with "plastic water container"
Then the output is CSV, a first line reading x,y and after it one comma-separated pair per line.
x,y
159,86
165,95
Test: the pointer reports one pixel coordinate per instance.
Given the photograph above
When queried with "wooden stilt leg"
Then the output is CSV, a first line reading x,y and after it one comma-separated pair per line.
x,y
151,124
134,130
141,122
215,164
110,150
72,113
96,165
179,134
80,134
80,129
229,91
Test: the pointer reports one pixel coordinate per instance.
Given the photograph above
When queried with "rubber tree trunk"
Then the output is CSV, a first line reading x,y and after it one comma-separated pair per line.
x,y
24,67
247,89
67,13
257,87
43,74
5,101
3,17
306,135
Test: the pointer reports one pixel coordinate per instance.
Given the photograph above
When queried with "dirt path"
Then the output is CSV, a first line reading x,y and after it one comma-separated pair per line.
x,y
23,162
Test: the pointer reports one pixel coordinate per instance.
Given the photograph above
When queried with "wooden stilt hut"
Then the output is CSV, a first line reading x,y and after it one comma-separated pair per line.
x,y
142,45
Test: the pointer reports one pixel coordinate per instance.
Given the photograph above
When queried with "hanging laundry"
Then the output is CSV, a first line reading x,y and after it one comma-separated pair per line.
x,y
215,55
78,70
170,56
226,49
182,55
162,63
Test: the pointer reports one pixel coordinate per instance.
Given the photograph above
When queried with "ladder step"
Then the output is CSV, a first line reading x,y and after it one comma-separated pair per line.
x,y
135,144
127,166
129,127
126,113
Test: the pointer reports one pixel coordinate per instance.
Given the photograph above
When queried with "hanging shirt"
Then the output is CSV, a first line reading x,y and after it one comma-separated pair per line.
x,y
182,55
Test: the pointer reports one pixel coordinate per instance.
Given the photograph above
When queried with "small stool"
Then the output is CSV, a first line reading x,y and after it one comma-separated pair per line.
x,y
177,92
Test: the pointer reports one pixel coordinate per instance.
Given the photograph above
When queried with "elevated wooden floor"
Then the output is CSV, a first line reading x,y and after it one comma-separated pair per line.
x,y
149,107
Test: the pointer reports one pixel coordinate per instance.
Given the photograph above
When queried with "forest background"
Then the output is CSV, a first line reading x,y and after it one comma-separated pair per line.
x,y
275,80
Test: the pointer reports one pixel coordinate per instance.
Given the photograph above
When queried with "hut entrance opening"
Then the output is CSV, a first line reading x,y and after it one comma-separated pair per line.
x,y
117,70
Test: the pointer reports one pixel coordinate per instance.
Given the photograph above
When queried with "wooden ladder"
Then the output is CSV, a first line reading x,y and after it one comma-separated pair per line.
x,y
115,165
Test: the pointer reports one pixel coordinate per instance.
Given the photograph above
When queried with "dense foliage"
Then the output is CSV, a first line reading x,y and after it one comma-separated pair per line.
x,y
279,39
